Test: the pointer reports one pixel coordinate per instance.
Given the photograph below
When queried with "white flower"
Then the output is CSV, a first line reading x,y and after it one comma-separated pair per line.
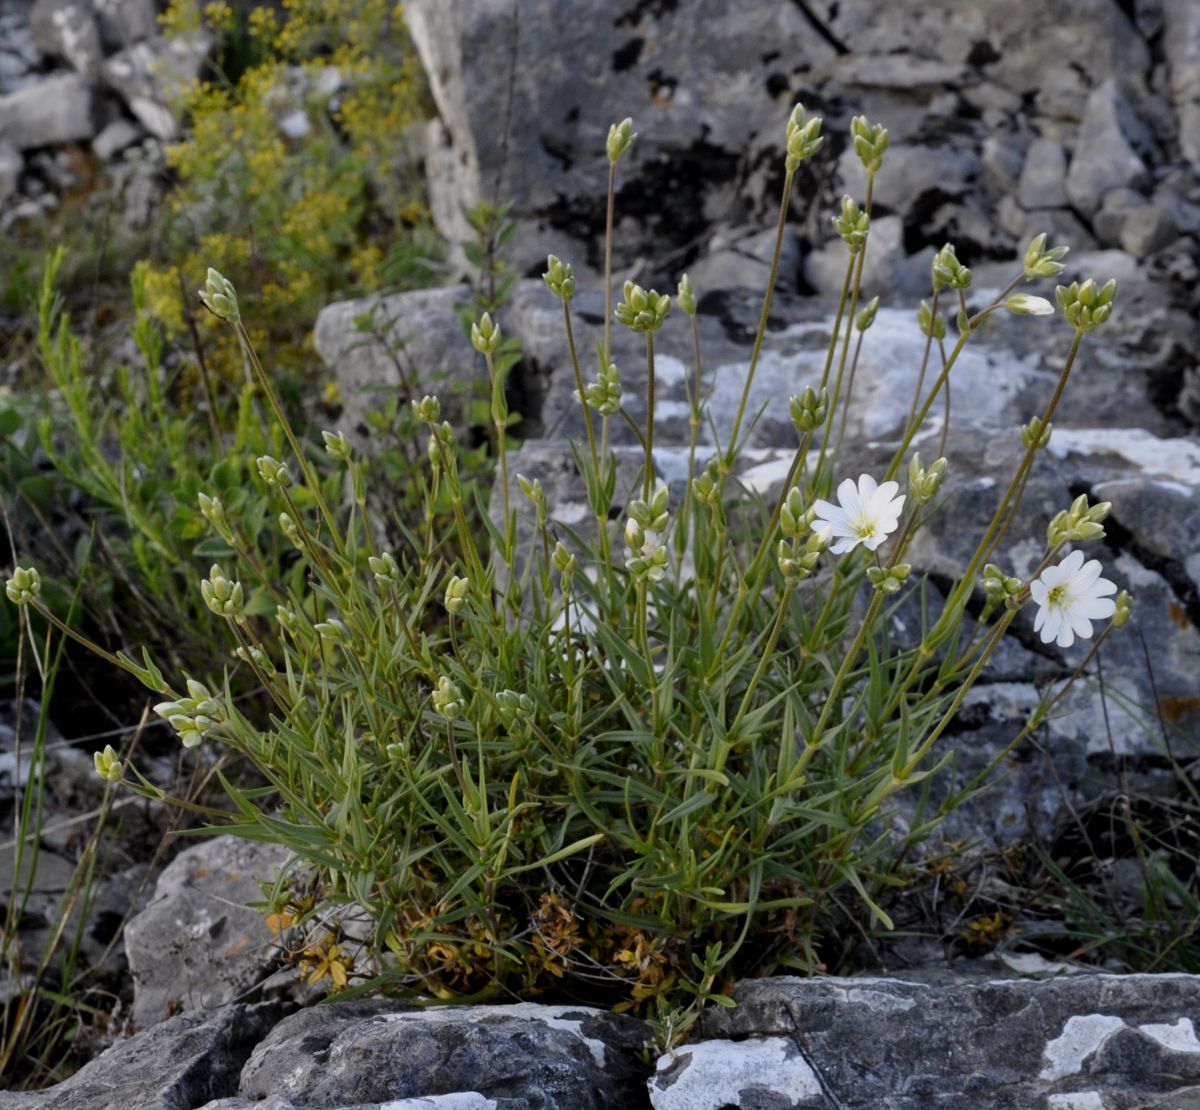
x,y
1070,596
867,513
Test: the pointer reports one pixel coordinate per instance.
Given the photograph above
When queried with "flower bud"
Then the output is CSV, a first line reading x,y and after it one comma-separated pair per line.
x,y
287,619
866,314
536,494
564,562
222,595
643,311
486,335
273,472
290,529
947,271
808,409
1042,263
337,445
108,766
213,511
1035,434
870,141
926,321
923,483
1025,304
220,298
456,594
24,585
852,225
1124,610
686,296
620,139
385,568
333,630
604,395
447,701
803,138
888,580
514,707
1085,306
1000,586
428,410
559,278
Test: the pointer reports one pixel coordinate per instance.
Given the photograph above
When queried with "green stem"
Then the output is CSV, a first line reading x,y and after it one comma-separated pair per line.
x,y
648,476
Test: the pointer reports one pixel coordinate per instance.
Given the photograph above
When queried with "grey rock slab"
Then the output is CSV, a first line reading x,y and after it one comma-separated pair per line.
x,y
11,165
521,1055
1085,1040
1181,44
150,76
184,1062
1104,157
124,22
58,109
463,1100
114,138
67,29
1043,177
764,1073
198,945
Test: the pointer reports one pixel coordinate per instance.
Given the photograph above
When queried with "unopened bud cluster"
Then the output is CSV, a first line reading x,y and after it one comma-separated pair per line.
x,y
273,472
853,225
687,295
643,311
1040,262
193,717
1124,609
620,139
947,271
486,335
1079,523
385,568
564,562
808,409
930,324
1085,306
514,708
108,766
24,585
799,551
220,297
447,701
604,395
924,483
455,597
1001,587
889,580
337,445
291,529
559,278
222,595
803,138
870,141
645,552
706,488
428,410
532,488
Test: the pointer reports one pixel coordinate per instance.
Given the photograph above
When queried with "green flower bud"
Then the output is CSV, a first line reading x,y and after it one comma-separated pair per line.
x,y
333,630
220,297
1024,304
447,701
888,580
620,139
643,311
1085,306
924,484
24,585
337,444
457,590
222,595
1042,263
852,225
536,494
559,278
803,138
1000,586
256,656
866,315
947,271
808,409
287,619
604,395
925,321
108,766
428,410
384,568
870,142
1124,610
486,335
213,511
564,562
1079,523
1035,433
706,488
514,708
687,296
290,529
273,472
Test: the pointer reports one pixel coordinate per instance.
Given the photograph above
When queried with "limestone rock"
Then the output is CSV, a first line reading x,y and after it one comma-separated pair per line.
x,y
1104,157
1080,1040
1043,179
53,110
150,75
114,138
1181,44
124,22
197,945
521,1055
11,165
67,29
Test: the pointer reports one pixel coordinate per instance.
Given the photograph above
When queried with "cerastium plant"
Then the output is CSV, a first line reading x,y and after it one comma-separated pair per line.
x,y
637,769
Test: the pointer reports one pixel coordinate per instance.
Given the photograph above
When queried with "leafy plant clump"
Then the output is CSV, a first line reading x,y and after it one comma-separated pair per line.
x,y
627,767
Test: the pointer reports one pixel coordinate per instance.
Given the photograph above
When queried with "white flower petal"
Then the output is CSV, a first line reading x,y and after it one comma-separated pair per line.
x,y
867,487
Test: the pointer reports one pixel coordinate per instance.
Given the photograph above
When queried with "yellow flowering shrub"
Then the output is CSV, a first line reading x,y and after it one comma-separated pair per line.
x,y
291,177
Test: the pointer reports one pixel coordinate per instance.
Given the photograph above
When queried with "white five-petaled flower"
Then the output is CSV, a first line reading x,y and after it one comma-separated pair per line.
x,y
1070,596
866,513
